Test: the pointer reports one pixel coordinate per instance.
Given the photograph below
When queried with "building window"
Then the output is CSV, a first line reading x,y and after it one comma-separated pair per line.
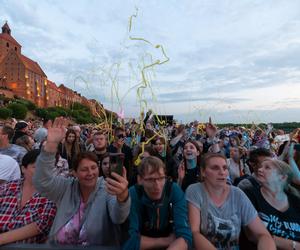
x,y
16,49
7,45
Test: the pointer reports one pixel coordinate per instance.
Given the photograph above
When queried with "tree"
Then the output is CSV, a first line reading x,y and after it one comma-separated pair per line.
x,y
19,111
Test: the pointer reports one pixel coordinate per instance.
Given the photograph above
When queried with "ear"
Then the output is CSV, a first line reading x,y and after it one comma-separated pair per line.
x,y
22,169
202,173
139,180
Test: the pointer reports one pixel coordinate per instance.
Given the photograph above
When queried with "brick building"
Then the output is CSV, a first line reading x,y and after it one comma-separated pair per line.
x,y
25,78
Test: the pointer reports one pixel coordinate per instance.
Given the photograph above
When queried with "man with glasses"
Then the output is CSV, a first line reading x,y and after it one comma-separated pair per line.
x,y
158,214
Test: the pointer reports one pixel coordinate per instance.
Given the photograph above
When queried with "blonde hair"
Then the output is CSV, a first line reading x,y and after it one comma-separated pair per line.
x,y
284,169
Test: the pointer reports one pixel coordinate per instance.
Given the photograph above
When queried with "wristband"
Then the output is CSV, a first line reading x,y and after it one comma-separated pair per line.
x,y
294,245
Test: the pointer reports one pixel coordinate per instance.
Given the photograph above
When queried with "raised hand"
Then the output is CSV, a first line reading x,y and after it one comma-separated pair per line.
x,y
56,133
118,186
57,130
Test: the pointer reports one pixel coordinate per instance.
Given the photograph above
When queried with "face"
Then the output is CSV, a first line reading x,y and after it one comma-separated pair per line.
x,y
120,138
3,137
153,184
144,155
105,166
260,159
268,173
28,172
100,142
87,173
234,153
31,142
215,173
233,142
159,146
71,138
190,151
77,131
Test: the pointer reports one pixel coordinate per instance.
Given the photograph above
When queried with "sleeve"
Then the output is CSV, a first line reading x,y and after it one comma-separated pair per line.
x,y
247,210
192,195
46,216
134,241
118,212
180,218
48,185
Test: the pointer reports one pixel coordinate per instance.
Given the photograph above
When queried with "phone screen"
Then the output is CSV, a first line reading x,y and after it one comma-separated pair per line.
x,y
116,163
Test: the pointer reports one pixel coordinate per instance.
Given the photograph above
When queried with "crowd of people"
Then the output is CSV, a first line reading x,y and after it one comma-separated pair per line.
x,y
149,185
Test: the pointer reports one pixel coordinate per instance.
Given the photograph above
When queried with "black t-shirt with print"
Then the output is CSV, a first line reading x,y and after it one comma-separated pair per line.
x,y
282,224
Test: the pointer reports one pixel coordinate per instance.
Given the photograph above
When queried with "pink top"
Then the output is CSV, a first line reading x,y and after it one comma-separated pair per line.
x,y
72,233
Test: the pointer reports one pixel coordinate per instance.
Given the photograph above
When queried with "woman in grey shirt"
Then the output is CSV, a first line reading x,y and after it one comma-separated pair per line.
x,y
217,210
89,209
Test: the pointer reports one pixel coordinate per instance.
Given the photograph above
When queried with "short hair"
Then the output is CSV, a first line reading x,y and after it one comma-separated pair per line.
x,y
209,156
100,133
151,165
85,155
9,131
254,154
30,157
118,129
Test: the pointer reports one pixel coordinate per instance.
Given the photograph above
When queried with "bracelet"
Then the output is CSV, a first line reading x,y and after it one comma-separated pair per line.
x,y
294,244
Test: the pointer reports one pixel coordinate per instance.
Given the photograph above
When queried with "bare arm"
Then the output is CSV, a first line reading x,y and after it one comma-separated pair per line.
x,y
151,243
21,233
200,241
258,233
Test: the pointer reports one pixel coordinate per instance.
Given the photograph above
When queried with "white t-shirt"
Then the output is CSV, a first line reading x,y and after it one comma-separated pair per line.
x,y
9,168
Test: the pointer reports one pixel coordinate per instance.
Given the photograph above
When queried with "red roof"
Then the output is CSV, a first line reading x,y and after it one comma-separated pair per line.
x,y
32,65
9,38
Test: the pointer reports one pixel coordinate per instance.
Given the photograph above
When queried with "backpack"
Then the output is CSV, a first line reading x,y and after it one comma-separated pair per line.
x,y
153,229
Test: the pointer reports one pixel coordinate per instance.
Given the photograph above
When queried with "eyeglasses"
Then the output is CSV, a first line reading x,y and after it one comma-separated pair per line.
x,y
120,136
154,180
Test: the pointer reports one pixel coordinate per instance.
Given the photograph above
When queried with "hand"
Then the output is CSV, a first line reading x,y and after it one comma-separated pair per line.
x,y
57,130
118,186
181,171
170,239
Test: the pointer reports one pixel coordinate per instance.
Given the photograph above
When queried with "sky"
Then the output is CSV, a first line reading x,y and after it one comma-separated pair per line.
x,y
236,61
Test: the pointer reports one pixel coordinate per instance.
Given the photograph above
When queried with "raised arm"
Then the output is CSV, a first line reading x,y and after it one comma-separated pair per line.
x,y
46,183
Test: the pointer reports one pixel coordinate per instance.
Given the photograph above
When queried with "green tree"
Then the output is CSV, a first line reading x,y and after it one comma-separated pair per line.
x,y
19,111
5,113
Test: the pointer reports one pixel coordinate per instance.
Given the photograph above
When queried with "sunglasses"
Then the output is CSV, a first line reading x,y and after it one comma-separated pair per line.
x,y
120,136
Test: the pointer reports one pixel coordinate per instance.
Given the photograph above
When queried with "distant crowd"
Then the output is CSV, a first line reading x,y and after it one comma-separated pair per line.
x,y
149,185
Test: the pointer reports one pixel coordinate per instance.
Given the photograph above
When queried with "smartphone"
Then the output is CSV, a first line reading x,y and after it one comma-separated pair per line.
x,y
297,147
116,161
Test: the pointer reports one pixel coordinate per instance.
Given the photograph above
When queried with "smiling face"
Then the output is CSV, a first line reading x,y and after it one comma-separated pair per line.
x,y
159,146
87,174
190,151
215,171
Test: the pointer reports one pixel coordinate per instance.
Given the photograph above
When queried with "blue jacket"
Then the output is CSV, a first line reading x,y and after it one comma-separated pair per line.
x,y
158,213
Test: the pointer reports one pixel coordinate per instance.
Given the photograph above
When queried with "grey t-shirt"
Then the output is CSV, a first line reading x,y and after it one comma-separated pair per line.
x,y
222,225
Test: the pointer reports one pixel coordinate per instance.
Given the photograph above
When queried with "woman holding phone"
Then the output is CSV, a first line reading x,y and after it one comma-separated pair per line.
x,y
89,208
